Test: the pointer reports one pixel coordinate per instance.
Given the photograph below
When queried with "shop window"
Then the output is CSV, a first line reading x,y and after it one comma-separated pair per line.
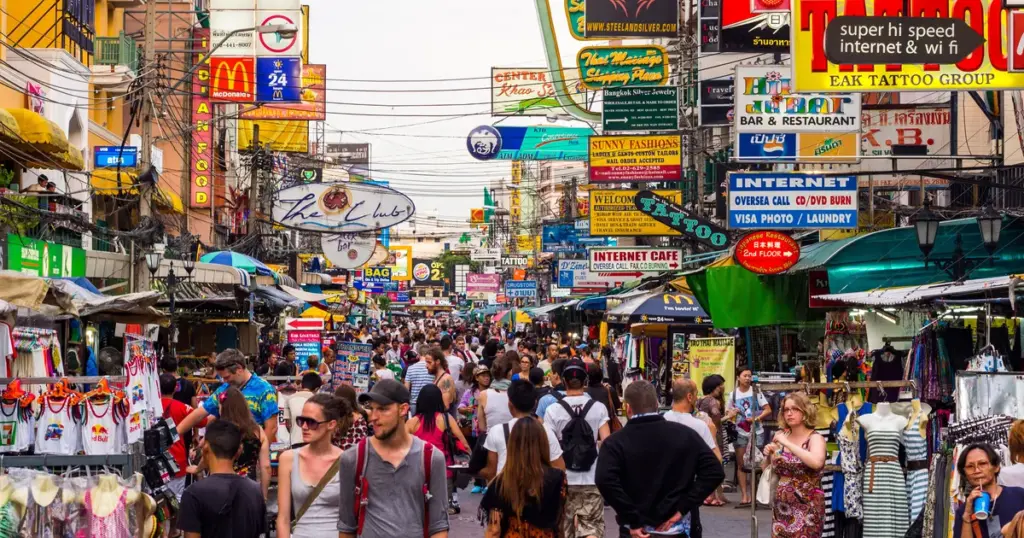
x,y
437,239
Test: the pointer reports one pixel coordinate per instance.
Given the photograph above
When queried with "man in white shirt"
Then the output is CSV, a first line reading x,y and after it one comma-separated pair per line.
x,y
522,398
584,505
394,354
684,401
455,363
311,383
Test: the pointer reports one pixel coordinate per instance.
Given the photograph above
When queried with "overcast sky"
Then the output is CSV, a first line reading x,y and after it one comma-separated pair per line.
x,y
425,157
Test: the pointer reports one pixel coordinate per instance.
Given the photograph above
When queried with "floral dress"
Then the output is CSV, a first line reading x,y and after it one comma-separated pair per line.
x,y
360,430
799,509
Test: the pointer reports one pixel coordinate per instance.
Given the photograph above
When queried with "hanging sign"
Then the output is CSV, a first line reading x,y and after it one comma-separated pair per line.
x,y
532,143
791,201
513,261
483,283
202,130
341,207
234,79
276,44
623,259
377,275
767,252
613,213
279,80
113,156
674,216
428,273
617,159
645,19
984,68
899,40
521,288
616,67
348,251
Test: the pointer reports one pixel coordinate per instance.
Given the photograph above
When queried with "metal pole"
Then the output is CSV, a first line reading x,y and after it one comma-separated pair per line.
x,y
254,178
753,468
146,191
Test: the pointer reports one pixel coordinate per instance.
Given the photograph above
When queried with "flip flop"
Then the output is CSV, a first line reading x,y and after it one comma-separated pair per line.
x,y
743,505
714,502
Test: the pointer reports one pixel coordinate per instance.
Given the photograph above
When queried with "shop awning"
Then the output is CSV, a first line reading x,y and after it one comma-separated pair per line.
x,y
9,126
70,159
275,299
206,273
105,181
283,279
660,307
130,307
923,294
304,296
38,132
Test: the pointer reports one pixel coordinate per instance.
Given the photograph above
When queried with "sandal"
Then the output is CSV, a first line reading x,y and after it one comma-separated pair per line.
x,y
743,505
713,502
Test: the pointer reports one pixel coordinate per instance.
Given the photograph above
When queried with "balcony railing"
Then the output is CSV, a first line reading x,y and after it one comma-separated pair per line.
x,y
120,50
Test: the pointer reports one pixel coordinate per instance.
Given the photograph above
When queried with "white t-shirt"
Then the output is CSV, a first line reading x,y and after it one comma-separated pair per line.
x,y
295,404
694,423
557,418
744,401
495,442
1012,475
455,366
383,374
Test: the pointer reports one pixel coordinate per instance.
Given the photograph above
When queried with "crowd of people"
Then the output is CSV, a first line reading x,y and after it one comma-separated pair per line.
x,y
535,425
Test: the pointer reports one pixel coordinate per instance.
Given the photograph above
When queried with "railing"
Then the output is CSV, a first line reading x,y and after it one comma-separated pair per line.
x,y
120,50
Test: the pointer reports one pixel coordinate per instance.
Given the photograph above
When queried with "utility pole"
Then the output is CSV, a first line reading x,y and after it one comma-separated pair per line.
x,y
142,276
690,82
254,177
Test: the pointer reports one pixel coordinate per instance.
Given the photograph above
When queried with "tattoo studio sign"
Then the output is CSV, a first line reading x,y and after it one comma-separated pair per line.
x,y
674,216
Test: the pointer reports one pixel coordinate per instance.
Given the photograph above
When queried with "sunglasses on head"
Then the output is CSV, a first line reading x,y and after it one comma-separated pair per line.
x,y
310,423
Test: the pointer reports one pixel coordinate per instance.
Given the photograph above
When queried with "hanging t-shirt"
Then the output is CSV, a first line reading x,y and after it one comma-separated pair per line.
x,y
102,429
6,350
136,394
57,431
744,402
16,427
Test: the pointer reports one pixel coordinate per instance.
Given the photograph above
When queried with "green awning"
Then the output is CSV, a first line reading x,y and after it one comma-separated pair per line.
x,y
739,298
816,255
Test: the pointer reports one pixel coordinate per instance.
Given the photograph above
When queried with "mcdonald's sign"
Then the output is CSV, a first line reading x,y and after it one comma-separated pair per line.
x,y
234,79
677,298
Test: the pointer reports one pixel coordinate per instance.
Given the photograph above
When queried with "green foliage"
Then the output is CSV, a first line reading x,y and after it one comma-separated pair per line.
x,y
17,219
450,260
383,302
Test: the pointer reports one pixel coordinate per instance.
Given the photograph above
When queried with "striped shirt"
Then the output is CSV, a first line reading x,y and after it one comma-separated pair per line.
x,y
418,377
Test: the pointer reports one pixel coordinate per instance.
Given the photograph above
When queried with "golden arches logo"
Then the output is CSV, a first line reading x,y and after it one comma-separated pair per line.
x,y
677,298
237,75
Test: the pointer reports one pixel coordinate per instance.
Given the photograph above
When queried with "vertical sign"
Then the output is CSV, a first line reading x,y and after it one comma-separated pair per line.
x,y
202,117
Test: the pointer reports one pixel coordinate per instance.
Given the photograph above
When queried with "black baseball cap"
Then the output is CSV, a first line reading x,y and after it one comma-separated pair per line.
x,y
386,392
575,368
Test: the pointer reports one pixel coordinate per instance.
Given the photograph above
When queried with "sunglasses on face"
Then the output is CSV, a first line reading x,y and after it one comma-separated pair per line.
x,y
309,423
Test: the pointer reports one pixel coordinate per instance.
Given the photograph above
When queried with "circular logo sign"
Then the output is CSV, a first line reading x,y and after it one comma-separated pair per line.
x,y
484,142
421,271
767,252
275,42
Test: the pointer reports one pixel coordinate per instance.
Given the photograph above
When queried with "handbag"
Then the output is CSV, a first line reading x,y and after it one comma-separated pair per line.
x,y
614,424
333,470
766,486
754,455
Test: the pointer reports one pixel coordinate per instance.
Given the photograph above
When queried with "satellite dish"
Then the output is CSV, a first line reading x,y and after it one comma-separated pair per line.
x,y
110,361
348,251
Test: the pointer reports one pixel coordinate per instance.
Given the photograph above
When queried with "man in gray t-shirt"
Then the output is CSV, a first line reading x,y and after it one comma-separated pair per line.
x,y
394,471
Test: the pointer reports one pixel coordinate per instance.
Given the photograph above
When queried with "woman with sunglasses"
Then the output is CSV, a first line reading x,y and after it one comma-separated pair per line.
x,y
434,425
302,471
254,459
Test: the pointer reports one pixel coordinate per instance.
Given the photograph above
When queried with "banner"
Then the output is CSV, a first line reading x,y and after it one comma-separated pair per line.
x,y
352,366
519,91
428,273
613,213
733,26
528,143
791,201
313,105
483,283
283,136
710,356
279,80
400,262
201,157
645,19
615,67
983,69
881,129
617,159
234,79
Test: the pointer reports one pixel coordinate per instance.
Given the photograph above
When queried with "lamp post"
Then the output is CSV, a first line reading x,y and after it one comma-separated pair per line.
x,y
959,265
153,259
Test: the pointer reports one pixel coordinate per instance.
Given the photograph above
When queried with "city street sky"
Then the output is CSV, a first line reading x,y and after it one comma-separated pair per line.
x,y
418,146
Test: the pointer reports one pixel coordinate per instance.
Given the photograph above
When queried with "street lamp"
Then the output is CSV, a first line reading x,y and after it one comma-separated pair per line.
x,y
990,222
926,224
189,260
959,265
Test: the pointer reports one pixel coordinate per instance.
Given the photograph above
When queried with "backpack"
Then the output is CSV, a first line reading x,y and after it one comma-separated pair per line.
x,y
579,449
362,487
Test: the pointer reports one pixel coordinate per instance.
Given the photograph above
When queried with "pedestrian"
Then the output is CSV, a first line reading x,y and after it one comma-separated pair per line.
x,y
979,466
557,387
223,504
437,366
308,482
525,364
455,363
684,401
174,409
655,474
580,425
380,370
418,375
748,414
267,368
522,399
286,367
253,460
296,403
527,498
1013,474
259,395
354,425
492,404
598,391
797,457
185,391
433,424
392,484
326,369
469,408
712,404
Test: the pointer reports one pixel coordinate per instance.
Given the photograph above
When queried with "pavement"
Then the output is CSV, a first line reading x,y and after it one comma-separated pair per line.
x,y
723,522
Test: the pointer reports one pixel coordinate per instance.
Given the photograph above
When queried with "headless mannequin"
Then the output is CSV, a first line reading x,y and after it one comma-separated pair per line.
x,y
107,493
913,409
883,419
11,494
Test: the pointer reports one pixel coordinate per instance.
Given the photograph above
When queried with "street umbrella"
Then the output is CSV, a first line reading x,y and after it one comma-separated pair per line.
x,y
504,317
660,307
238,261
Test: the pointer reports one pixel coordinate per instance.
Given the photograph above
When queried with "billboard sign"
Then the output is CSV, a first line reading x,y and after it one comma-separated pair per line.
x,y
275,135
767,252
740,29
617,159
279,80
673,215
882,129
522,91
983,69
715,101
485,254
1015,40
347,251
349,154
619,66
513,261
613,213
234,79
762,147
377,275
40,258
113,156
576,274
632,259
312,96
428,273
341,207
791,201
399,259
201,123
765,103
569,238
645,19
233,32
483,283
528,143
640,109
276,44
521,288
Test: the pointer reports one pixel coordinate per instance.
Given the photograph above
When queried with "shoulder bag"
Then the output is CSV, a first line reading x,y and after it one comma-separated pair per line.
x,y
316,491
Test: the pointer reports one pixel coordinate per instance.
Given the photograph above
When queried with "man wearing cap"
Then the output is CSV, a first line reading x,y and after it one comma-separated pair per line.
x,y
392,475
584,506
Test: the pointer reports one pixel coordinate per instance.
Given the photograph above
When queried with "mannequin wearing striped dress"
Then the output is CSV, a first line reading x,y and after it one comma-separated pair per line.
x,y
917,457
886,514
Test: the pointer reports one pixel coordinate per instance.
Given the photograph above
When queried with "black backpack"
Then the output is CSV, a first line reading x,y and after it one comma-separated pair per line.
x,y
579,449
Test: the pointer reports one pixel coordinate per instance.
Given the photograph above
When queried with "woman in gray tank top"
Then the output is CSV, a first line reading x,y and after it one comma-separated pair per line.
x,y
306,468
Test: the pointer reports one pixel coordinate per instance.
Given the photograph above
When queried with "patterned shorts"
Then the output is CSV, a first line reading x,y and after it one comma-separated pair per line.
x,y
584,513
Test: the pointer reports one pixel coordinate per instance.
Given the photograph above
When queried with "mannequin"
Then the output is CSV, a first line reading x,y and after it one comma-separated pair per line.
x,y
886,510
9,493
883,419
106,495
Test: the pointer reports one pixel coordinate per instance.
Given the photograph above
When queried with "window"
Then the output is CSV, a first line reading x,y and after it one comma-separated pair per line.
x,y
437,239
419,239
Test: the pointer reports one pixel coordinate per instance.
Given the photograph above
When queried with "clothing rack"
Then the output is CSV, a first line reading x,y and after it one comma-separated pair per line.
x,y
776,387
84,380
129,463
